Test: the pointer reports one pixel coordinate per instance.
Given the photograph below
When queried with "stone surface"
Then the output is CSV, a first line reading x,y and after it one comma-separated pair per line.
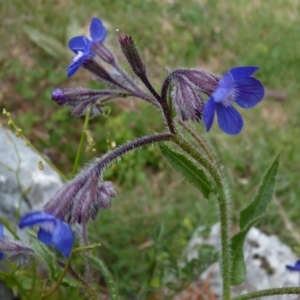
x,y
23,186
265,255
22,183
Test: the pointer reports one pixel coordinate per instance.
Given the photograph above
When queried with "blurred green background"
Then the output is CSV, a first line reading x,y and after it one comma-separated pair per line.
x,y
144,233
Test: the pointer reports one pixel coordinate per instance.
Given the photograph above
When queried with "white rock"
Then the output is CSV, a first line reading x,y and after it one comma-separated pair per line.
x,y
266,259
22,183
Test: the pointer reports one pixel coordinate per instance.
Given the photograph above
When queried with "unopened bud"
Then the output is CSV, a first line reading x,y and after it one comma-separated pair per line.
x,y
81,99
132,54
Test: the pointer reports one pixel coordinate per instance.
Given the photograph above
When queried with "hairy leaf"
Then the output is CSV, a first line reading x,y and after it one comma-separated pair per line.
x,y
99,264
248,217
47,257
187,169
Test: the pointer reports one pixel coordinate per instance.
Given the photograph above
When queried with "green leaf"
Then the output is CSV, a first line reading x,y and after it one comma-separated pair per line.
x,y
13,281
48,258
49,44
99,264
248,217
187,169
257,208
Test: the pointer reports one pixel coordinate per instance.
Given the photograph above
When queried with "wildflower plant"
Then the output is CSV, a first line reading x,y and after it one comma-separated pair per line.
x,y
186,95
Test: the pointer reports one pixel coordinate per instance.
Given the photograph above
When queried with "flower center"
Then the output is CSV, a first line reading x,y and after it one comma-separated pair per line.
x,y
77,57
227,101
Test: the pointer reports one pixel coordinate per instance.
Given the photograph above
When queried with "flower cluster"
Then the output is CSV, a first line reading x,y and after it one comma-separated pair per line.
x,y
235,87
195,95
81,199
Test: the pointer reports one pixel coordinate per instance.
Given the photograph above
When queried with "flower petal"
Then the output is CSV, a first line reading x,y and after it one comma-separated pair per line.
x,y
225,87
63,238
45,236
97,30
292,268
297,265
35,218
249,92
1,231
229,119
72,68
77,43
209,113
241,72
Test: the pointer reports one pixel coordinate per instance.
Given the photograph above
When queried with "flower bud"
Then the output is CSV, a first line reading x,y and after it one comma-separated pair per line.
x,y
188,89
132,54
80,99
80,199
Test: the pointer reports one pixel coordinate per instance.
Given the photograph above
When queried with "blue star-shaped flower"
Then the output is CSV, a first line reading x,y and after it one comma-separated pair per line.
x,y
52,232
81,45
236,86
1,238
294,268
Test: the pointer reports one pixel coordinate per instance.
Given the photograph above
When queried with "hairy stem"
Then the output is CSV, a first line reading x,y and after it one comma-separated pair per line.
x,y
269,292
223,203
108,158
137,92
86,243
162,101
210,154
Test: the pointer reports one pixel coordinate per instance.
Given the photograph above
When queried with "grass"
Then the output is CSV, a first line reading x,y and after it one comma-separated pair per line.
x,y
154,205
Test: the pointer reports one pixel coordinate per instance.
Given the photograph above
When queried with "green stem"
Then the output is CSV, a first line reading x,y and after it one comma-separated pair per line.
x,y
79,151
223,202
88,289
225,242
269,292
203,160
210,154
60,279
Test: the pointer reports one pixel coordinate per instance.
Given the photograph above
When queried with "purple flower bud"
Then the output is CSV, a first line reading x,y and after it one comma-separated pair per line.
x,y
14,251
186,94
132,54
80,199
187,101
80,99
59,97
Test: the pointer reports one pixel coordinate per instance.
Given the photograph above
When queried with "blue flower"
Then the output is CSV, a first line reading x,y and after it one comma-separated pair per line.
x,y
52,232
81,45
236,86
294,268
1,238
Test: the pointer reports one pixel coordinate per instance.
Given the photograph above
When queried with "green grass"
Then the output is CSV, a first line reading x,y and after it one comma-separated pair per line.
x,y
152,204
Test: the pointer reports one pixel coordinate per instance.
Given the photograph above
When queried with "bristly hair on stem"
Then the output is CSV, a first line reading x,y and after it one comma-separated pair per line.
x,y
81,198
